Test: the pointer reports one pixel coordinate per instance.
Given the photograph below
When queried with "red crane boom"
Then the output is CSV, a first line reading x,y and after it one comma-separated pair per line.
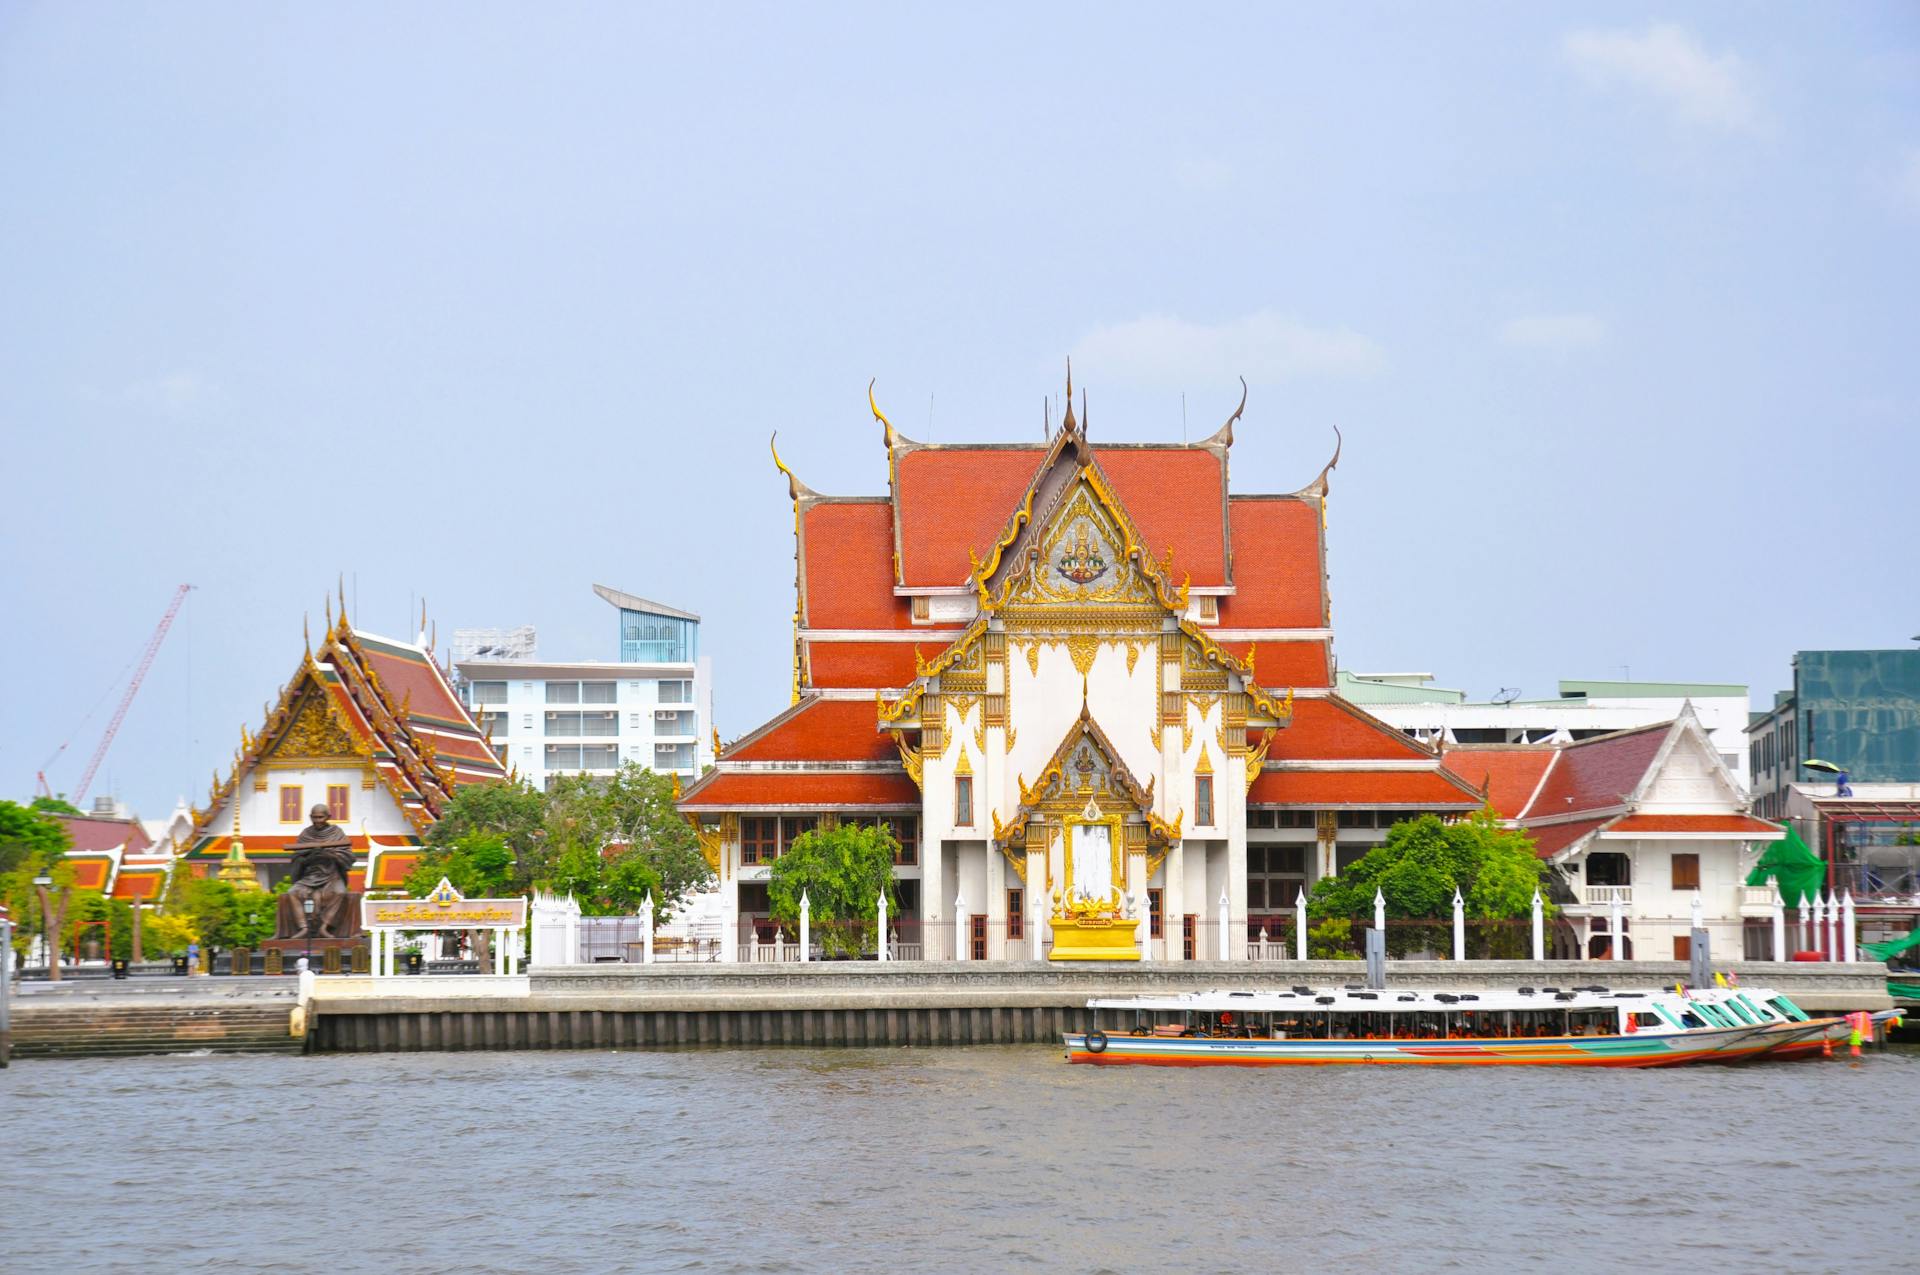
x,y
133,688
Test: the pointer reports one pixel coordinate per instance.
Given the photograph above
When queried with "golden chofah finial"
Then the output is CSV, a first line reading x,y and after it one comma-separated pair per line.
x,y
1224,435
879,415
341,584
306,636
794,485
1067,423
327,606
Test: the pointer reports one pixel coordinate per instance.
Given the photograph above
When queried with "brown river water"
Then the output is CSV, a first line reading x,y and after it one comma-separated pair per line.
x,y
986,1159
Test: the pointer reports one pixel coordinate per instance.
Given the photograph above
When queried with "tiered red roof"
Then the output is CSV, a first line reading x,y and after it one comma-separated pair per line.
x,y
1278,572
1509,773
805,790
95,833
1732,825
1597,774
817,729
1427,789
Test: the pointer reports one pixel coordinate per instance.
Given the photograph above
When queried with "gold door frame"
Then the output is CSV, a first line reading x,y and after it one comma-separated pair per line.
x,y
1116,848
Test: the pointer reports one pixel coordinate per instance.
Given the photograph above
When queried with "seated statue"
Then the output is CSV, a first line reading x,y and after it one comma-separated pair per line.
x,y
322,857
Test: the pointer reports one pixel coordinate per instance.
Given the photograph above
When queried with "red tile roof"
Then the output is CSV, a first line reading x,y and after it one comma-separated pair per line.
x,y
848,559
1330,729
868,665
1595,774
1510,774
91,834
1738,825
1426,788
820,730
952,499
141,883
1176,497
826,790
1277,573
89,874
1550,839
1288,664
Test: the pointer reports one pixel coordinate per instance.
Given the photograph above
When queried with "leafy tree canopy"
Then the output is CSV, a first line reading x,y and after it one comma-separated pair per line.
x,y
510,810
629,820
55,806
28,832
479,865
1424,860
842,872
223,916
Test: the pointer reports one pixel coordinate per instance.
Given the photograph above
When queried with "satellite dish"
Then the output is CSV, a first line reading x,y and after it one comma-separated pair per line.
x,y
1506,695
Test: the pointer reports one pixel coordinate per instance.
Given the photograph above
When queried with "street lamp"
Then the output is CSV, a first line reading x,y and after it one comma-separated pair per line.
x,y
52,918
306,905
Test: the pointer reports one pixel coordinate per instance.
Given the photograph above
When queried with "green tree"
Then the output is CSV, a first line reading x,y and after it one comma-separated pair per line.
x,y
225,917
55,806
628,815
508,809
842,872
611,882
1422,863
28,832
479,865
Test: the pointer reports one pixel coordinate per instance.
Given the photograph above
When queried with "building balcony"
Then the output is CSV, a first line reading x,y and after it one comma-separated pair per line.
x,y
1592,899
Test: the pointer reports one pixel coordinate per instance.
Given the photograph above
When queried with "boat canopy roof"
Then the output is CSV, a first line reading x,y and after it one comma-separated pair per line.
x,y
1359,1000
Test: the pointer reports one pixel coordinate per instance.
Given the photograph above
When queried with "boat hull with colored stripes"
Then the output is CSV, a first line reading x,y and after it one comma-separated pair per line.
x,y
1644,1050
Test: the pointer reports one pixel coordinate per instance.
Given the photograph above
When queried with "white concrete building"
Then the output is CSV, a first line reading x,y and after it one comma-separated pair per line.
x,y
653,706
1583,710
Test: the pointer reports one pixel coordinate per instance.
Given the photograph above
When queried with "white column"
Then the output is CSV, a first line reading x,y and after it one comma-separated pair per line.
x,y
646,929
1616,941
1459,926
960,936
1833,927
1696,910
883,925
1848,934
1300,925
806,926
1174,897
1777,913
1807,920
1817,935
572,955
1144,914
1539,929
1379,911
1226,925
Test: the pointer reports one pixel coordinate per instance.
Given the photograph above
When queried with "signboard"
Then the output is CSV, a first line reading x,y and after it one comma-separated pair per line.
x,y
444,909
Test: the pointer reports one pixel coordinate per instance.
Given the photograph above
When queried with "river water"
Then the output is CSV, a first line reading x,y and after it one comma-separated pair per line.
x,y
984,1159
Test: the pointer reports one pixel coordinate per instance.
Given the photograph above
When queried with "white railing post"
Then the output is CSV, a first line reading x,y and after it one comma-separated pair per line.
x,y
1300,925
1226,925
646,929
1539,928
1833,927
883,925
1379,911
1849,952
960,937
1696,910
806,926
1777,914
1459,926
1819,931
1616,941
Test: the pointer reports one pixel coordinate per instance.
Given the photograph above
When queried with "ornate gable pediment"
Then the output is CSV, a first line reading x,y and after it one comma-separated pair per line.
x,y
1085,768
314,733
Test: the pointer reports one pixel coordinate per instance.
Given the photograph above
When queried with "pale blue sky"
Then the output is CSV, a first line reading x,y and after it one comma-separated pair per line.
x,y
1615,304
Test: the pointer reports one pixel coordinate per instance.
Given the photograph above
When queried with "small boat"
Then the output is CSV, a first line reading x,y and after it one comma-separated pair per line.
x,y
1544,1026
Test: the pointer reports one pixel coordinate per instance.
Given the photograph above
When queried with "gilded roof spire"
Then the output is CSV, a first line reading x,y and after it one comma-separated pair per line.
x,y
1067,422
879,415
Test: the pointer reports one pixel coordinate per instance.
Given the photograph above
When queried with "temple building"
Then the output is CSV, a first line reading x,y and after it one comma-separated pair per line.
x,y
1638,824
1089,686
367,726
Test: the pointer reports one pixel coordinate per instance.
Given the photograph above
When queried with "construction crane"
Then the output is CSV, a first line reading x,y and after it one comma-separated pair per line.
x,y
126,698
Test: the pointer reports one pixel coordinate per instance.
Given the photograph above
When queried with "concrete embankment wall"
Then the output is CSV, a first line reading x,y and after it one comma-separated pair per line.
x,y
908,1003
148,1026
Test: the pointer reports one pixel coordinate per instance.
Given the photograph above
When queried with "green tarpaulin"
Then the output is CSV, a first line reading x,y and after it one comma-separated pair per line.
x,y
1799,870
1892,947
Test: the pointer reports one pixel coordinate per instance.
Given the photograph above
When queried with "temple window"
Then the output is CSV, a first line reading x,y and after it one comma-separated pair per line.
x,y
337,808
290,804
759,839
963,801
794,826
1156,917
1016,915
1686,872
1203,801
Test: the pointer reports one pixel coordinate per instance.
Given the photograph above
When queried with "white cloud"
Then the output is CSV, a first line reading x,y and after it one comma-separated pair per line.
x,y
1561,333
1666,63
1263,346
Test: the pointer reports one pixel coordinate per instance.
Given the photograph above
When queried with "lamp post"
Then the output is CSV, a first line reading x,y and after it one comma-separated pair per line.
x,y
306,905
53,916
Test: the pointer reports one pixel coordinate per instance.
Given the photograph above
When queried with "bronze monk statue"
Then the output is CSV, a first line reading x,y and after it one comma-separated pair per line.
x,y
322,857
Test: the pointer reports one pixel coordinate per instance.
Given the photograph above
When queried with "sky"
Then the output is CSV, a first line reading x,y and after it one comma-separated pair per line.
x,y
483,304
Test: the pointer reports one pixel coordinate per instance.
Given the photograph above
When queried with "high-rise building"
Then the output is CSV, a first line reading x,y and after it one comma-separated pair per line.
x,y
652,706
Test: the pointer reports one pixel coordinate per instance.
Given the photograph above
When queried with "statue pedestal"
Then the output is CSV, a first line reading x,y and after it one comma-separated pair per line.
x,y
1091,939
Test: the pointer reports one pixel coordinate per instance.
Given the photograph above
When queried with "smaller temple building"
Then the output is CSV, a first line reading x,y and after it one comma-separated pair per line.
x,y
367,726
1637,823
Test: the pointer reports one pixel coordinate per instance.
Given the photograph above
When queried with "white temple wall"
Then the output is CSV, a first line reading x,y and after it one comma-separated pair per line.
x,y
1042,707
260,811
1691,782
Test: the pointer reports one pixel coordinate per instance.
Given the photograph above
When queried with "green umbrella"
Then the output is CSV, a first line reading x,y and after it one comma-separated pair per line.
x,y
1814,763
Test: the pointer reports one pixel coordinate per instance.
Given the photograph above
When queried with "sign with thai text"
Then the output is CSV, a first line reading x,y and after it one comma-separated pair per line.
x,y
444,909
